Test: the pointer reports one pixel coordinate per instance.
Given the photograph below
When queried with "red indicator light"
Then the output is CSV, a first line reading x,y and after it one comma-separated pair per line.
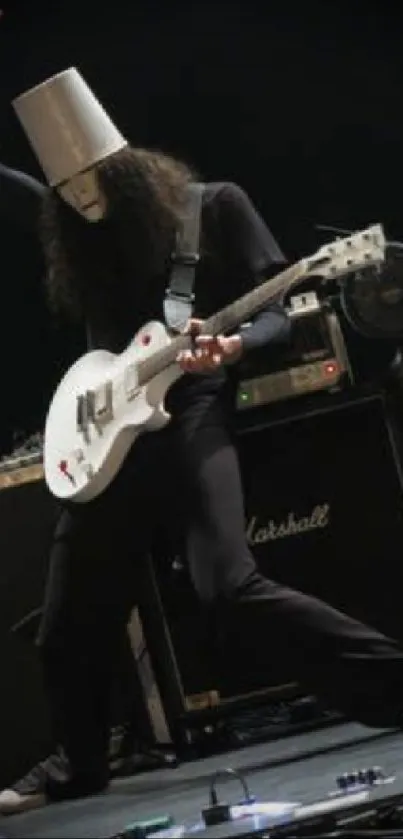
x,y
330,368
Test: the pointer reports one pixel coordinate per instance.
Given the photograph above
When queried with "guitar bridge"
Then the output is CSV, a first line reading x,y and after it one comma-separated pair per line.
x,y
101,404
96,407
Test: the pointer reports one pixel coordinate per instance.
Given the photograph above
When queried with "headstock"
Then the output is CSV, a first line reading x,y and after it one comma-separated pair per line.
x,y
345,256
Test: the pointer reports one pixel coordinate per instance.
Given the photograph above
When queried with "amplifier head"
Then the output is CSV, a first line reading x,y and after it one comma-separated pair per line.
x,y
315,359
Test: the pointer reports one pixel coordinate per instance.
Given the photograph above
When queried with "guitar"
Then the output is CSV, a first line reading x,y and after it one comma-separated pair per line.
x,y
105,401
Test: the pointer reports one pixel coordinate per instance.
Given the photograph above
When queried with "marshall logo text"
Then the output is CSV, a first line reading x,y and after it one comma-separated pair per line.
x,y
258,533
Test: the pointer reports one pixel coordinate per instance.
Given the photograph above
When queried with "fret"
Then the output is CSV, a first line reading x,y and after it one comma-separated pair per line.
x,y
235,313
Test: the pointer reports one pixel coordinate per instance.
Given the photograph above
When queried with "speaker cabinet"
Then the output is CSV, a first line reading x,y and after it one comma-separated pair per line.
x,y
324,514
324,508
27,518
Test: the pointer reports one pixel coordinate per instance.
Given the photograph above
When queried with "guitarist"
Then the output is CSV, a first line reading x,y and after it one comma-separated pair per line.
x,y
108,228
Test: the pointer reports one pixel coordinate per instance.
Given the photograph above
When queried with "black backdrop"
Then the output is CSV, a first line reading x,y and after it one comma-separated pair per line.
x,y
300,104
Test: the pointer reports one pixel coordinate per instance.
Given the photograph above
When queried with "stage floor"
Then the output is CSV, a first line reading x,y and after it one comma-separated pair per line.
x,y
301,768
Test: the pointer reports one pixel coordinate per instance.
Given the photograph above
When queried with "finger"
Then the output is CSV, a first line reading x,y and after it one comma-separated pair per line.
x,y
208,362
201,361
188,365
183,355
196,355
184,358
205,340
221,342
194,326
197,365
216,342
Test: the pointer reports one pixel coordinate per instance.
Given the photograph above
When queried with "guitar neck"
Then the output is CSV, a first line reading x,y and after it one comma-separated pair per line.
x,y
251,303
225,320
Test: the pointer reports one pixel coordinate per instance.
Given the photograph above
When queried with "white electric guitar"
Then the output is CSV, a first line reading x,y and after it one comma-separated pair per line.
x,y
106,401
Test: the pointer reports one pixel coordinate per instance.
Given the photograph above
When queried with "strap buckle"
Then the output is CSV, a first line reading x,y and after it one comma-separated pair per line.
x,y
181,258
179,296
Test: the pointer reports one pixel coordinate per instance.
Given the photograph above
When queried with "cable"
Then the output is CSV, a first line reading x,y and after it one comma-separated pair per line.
x,y
343,833
217,813
371,833
224,773
347,834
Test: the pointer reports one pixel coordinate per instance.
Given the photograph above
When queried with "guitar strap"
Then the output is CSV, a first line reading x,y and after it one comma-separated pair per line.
x,y
179,296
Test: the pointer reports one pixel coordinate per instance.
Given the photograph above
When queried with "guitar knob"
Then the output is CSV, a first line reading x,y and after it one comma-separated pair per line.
x,y
341,782
347,780
374,774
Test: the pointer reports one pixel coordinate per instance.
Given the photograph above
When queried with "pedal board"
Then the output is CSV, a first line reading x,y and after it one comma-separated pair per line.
x,y
358,796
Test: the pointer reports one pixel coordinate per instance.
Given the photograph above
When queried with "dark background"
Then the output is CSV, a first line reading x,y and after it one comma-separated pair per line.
x,y
299,103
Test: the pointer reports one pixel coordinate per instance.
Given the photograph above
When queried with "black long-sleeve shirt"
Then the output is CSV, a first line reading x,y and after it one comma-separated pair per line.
x,y
238,251
247,245
253,255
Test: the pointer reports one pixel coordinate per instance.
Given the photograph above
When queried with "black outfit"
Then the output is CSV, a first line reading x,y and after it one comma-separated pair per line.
x,y
188,475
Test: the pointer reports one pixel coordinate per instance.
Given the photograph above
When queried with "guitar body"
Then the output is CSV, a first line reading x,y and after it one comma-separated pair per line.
x,y
80,463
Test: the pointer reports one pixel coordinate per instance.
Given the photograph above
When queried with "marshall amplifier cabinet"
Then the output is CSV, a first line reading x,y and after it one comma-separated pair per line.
x,y
324,514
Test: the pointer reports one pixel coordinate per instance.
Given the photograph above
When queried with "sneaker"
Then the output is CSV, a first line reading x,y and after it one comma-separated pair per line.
x,y
55,766
29,793
49,780
12,802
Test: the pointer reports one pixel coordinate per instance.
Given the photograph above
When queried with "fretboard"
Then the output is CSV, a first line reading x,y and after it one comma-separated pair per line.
x,y
223,321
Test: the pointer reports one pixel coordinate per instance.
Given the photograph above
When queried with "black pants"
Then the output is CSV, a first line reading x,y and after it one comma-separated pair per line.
x,y
189,473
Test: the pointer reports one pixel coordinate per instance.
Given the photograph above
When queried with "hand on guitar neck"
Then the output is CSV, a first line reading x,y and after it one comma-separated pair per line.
x,y
208,352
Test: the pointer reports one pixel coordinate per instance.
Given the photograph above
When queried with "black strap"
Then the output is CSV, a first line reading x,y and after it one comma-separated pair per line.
x,y
179,296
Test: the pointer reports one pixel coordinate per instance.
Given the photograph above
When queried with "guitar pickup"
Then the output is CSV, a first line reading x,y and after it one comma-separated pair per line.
x,y
102,404
131,381
82,414
90,405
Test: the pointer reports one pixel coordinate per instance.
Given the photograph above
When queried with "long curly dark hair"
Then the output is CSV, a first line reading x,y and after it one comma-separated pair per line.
x,y
94,268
